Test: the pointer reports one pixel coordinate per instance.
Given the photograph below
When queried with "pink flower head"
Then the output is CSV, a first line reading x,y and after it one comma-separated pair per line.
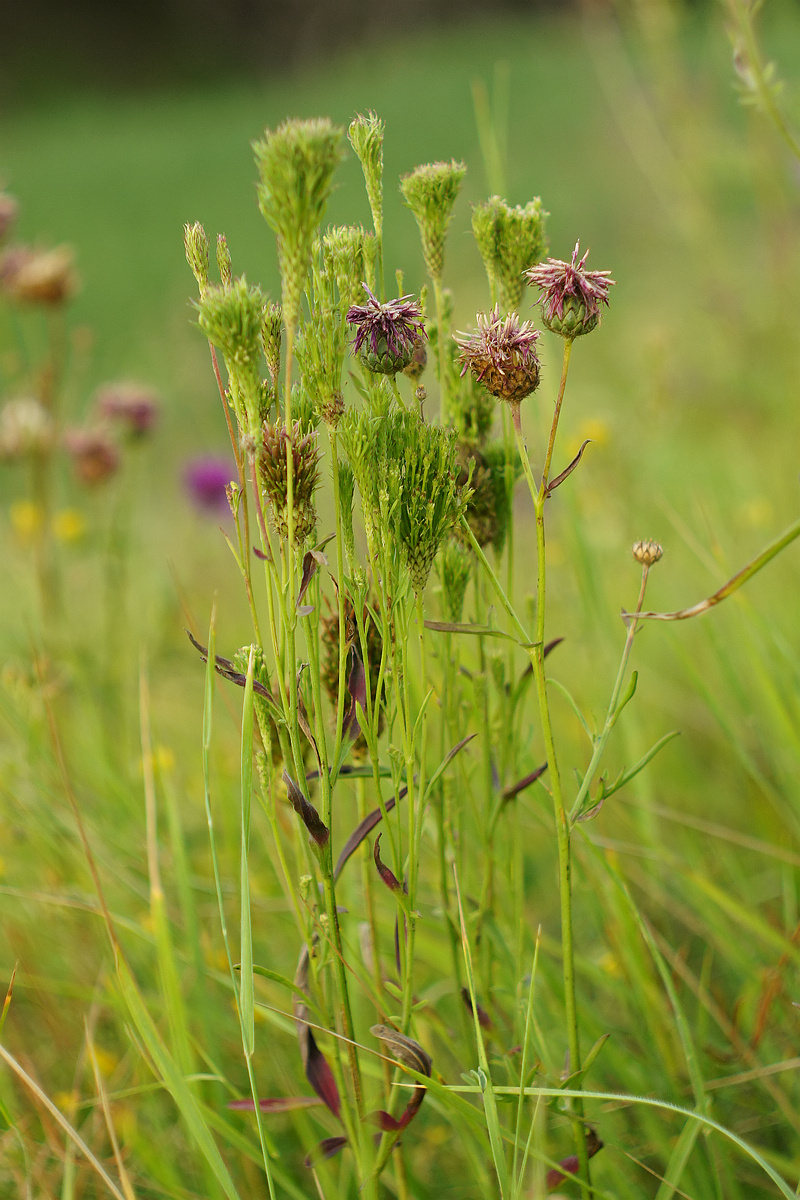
x,y
502,355
570,295
388,333
132,404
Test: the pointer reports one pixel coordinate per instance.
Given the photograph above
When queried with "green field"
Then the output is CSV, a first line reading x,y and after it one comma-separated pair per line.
x,y
635,139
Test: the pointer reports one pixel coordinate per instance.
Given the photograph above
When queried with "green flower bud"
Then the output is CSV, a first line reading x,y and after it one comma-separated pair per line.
x,y
195,244
273,466
224,265
366,138
511,240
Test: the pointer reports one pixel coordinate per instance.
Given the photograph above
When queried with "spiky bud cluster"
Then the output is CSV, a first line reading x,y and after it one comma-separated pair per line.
x,y
348,252
271,326
296,163
647,552
570,295
232,318
387,334
26,428
273,470
425,500
502,355
455,568
510,240
430,192
366,138
195,243
224,263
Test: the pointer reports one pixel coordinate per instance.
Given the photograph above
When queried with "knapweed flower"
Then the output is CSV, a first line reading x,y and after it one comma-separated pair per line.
x,y
206,480
40,277
387,334
94,455
502,355
133,405
570,295
647,552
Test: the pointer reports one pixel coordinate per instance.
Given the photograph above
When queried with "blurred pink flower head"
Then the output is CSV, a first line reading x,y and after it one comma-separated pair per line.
x,y
206,480
133,405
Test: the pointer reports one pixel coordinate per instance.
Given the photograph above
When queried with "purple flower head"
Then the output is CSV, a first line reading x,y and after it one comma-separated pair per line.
x,y
570,295
502,355
387,334
133,405
206,480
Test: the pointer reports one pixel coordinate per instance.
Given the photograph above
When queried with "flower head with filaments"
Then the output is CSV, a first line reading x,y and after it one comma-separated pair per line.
x,y
570,295
388,333
502,355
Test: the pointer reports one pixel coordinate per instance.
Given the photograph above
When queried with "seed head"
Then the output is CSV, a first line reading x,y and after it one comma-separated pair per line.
x,y
502,355
387,334
570,295
510,240
272,462
430,192
647,552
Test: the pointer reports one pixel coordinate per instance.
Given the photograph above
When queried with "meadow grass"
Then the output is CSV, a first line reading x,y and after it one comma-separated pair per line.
x,y
685,891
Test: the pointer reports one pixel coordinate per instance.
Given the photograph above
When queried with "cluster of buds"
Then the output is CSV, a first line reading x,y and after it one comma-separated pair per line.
x,y
273,462
510,240
430,192
232,318
387,335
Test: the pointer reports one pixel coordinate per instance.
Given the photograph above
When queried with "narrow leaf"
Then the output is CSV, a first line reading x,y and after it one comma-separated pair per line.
x,y
515,788
327,1148
246,997
388,876
364,828
475,630
275,1104
559,479
305,810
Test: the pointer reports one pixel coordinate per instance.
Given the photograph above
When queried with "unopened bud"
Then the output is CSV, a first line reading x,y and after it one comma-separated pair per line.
x,y
647,552
224,264
195,244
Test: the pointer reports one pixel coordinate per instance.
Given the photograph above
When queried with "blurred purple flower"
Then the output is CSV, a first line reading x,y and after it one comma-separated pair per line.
x,y
206,480
132,404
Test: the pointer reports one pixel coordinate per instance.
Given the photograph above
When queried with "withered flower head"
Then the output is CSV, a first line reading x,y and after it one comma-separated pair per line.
x,y
570,295
647,552
133,405
387,334
502,355
94,455
40,277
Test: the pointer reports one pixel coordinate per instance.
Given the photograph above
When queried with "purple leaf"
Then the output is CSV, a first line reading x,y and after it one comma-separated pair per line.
x,y
318,1072
357,690
569,1165
515,788
362,829
305,810
327,1148
388,877
559,479
312,561
484,1020
276,1104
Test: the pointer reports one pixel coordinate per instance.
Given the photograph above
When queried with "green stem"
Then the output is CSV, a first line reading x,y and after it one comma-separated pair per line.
x,y
337,745
440,357
539,497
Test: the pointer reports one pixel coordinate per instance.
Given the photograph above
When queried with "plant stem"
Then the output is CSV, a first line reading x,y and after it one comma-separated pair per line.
x,y
539,497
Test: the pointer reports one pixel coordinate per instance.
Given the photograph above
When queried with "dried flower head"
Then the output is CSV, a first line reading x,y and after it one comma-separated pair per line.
x,y
570,295
430,192
387,334
647,552
26,427
206,480
133,405
502,355
40,277
273,465
95,457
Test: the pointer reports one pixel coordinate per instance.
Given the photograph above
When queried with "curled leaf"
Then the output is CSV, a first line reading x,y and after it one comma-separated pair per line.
x,y
357,690
362,829
318,1071
388,876
515,788
410,1054
327,1148
317,829
559,479
312,561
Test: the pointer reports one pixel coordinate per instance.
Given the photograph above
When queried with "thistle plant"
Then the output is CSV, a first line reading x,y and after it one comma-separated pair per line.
x,y
390,670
